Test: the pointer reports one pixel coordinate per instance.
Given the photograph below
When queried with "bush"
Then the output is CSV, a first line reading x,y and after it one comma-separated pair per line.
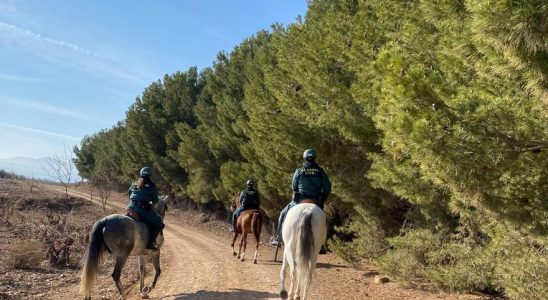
x,y
363,237
407,259
521,264
401,264
23,255
501,263
460,266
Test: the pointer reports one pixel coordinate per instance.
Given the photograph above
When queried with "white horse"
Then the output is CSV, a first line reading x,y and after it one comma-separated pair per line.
x,y
304,231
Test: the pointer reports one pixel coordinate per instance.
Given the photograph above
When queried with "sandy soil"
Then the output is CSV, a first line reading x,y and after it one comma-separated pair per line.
x,y
197,264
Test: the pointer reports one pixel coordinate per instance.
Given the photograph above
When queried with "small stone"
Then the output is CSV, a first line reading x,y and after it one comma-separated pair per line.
x,y
381,279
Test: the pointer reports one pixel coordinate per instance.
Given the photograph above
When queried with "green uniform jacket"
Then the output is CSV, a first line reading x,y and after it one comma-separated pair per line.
x,y
311,181
142,200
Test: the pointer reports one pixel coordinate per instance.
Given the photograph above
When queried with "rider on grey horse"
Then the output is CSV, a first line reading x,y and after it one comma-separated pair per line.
x,y
309,182
143,195
249,199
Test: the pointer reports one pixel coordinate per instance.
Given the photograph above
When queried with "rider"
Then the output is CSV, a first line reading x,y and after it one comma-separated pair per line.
x,y
143,195
309,182
249,199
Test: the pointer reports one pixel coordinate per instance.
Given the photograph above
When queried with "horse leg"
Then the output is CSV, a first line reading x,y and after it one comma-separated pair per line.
x,y
283,271
244,239
120,263
142,273
234,237
256,250
241,244
294,284
257,234
157,270
314,260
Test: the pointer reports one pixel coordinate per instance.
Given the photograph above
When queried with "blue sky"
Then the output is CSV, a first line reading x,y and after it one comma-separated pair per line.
x,y
71,68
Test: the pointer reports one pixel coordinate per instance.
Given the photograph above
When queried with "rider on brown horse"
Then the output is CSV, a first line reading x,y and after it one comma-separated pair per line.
x,y
249,199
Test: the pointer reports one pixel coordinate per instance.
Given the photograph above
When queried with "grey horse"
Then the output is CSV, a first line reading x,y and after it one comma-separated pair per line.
x,y
122,236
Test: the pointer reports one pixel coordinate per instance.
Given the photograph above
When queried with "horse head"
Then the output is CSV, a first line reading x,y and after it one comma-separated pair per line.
x,y
235,202
161,206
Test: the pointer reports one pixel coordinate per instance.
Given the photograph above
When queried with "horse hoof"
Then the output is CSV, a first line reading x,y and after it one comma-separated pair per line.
x,y
144,296
146,290
255,261
283,294
234,253
242,260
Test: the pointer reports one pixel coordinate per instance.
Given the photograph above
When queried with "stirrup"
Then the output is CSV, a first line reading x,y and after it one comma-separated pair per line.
x,y
152,247
277,241
323,250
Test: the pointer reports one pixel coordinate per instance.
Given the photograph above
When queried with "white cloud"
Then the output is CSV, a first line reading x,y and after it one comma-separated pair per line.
x,y
18,78
91,62
39,131
44,107
45,39
48,108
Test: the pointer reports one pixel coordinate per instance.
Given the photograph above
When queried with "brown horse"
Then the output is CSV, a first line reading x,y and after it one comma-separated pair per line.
x,y
249,221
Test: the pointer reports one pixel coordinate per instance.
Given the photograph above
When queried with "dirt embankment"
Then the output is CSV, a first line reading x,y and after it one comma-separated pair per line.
x,y
197,264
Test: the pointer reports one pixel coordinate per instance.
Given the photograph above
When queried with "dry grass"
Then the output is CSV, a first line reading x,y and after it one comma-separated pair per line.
x,y
23,255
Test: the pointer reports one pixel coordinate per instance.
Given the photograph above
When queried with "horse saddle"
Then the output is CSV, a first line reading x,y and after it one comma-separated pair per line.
x,y
133,214
308,201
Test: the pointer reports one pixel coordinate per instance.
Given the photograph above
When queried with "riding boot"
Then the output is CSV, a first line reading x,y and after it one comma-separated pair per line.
x,y
234,226
279,238
152,239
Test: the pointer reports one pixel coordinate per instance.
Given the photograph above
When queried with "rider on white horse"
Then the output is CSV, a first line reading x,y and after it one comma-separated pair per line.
x,y
309,182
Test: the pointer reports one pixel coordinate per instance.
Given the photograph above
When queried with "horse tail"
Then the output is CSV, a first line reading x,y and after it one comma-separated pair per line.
x,y
256,224
92,258
305,250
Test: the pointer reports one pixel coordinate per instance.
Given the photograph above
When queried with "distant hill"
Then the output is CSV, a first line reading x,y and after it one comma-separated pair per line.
x,y
26,166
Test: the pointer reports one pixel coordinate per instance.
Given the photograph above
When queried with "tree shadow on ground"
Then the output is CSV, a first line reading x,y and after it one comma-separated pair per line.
x,y
329,266
269,262
232,294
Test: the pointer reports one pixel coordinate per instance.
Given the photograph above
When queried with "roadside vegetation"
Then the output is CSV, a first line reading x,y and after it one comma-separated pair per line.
x,y
429,116
43,237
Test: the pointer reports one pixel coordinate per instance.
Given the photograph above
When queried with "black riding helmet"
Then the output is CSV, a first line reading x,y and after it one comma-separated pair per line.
x,y
250,183
145,172
309,154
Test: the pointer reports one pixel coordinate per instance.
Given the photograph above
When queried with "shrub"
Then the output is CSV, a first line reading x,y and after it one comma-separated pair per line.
x,y
363,237
407,259
23,255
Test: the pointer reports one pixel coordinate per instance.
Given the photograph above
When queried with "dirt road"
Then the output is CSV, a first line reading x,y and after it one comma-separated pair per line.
x,y
198,264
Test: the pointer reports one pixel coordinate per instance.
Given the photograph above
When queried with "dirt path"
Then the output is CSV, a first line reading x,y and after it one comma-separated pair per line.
x,y
198,264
